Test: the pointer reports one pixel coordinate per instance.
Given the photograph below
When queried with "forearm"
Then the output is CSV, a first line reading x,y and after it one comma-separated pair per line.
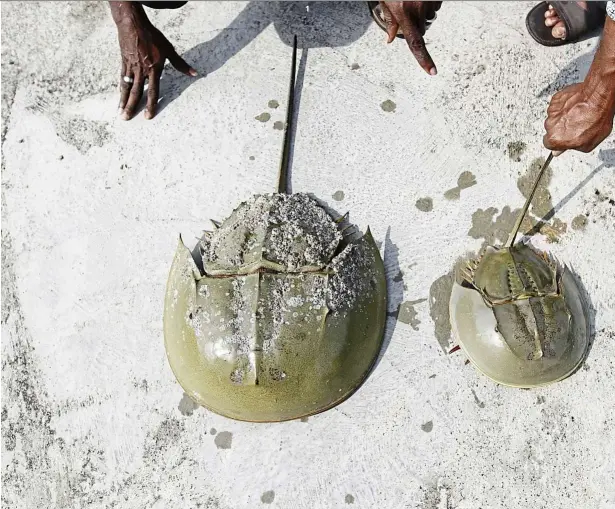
x,y
600,79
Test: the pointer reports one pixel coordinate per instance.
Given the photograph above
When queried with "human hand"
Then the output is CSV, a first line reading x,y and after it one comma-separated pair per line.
x,y
144,51
579,117
412,18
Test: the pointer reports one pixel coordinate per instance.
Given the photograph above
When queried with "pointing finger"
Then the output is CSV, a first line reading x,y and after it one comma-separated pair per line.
x,y
417,46
181,65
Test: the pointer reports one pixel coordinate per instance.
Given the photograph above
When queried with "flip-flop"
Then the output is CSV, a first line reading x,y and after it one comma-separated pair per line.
x,y
378,16
163,5
578,22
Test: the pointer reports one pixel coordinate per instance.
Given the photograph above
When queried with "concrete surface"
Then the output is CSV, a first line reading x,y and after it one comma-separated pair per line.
x,y
91,414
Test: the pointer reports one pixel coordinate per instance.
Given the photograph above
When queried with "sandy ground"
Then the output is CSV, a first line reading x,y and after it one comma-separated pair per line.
x,y
91,209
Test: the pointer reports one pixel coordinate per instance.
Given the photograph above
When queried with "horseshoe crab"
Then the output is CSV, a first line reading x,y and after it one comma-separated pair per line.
x,y
285,315
518,315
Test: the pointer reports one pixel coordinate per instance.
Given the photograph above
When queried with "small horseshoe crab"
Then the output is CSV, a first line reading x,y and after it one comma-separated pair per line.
x,y
519,316
285,317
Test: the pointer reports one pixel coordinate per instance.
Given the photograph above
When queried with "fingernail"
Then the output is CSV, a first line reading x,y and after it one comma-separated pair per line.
x,y
433,71
148,115
125,116
559,32
193,73
119,110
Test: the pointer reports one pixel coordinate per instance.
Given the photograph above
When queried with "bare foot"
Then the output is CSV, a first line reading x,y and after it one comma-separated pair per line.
x,y
552,20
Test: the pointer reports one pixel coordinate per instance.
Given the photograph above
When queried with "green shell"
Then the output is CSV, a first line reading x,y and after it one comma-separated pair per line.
x,y
519,317
236,353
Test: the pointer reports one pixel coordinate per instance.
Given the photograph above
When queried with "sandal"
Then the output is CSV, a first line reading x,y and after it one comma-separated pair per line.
x,y
376,12
578,22
163,5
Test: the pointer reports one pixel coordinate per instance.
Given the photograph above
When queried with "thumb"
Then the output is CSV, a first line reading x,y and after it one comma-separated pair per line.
x,y
392,29
390,21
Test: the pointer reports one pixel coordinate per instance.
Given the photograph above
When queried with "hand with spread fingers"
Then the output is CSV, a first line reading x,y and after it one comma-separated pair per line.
x,y
411,19
580,116
144,51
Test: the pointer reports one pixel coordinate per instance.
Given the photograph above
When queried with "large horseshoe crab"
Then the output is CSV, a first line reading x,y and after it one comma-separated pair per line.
x,y
518,314
285,317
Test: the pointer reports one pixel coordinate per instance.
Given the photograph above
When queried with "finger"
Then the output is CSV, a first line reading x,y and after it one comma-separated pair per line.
x,y
553,140
391,23
124,86
553,107
392,30
549,124
551,145
430,11
418,21
181,65
152,93
417,46
135,97
556,105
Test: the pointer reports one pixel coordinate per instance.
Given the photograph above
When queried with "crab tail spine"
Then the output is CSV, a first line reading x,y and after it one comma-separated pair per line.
x,y
284,163
515,230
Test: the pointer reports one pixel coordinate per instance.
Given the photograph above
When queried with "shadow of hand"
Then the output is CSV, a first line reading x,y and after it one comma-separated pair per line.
x,y
316,24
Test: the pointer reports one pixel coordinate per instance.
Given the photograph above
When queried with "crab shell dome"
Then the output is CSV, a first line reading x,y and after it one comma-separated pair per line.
x,y
260,333
519,317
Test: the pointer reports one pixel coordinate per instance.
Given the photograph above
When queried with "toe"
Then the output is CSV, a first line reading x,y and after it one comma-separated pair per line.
x,y
552,21
559,30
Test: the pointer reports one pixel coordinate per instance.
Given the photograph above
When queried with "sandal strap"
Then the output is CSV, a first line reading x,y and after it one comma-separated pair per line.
x,y
577,20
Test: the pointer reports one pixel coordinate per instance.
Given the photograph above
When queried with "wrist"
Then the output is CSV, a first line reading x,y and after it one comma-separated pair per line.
x,y
128,13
